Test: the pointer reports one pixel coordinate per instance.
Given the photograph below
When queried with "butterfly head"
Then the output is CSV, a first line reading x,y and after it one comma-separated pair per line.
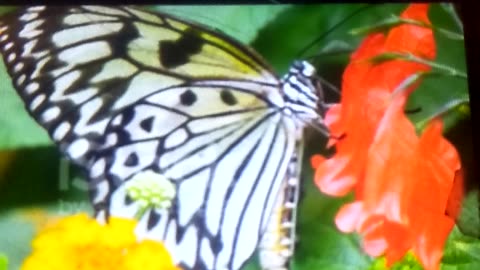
x,y
302,93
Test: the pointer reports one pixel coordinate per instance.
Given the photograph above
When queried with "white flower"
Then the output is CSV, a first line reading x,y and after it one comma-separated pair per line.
x,y
151,189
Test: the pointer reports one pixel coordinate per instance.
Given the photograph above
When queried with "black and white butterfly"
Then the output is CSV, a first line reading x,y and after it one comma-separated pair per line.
x,y
124,91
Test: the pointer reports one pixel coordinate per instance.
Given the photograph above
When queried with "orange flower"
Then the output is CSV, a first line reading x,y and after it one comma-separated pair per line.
x,y
408,181
402,183
366,87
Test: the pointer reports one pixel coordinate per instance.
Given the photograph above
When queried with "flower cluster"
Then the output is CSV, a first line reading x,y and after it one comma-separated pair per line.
x,y
403,183
151,190
81,243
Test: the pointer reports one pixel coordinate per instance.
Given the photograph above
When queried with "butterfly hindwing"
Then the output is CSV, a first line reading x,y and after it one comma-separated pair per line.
x,y
122,90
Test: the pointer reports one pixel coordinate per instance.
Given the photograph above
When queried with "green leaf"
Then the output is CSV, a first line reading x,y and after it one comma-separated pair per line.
x,y
228,19
15,238
408,262
461,253
18,128
469,220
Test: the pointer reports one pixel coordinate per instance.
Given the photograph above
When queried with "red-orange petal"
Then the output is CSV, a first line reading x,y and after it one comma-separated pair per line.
x,y
331,179
316,160
414,39
349,216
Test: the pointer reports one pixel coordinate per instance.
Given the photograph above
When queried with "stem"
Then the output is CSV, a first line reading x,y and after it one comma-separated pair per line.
x,y
407,82
141,211
448,71
396,21
450,106
448,7
450,34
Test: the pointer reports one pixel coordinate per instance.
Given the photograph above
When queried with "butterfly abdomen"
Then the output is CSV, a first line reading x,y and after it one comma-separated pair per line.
x,y
278,240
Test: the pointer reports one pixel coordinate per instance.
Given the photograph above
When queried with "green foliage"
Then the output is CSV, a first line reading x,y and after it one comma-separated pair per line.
x,y
3,262
408,262
462,252
469,221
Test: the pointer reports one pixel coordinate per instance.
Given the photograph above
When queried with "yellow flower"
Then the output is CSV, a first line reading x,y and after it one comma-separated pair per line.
x,y
81,243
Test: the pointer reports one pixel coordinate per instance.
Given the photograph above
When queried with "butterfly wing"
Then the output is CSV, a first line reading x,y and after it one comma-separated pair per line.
x,y
122,91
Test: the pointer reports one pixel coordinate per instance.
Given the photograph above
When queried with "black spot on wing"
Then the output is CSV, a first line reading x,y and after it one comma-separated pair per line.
x,y
216,244
153,219
147,124
188,97
119,42
132,160
227,97
127,116
176,53
128,200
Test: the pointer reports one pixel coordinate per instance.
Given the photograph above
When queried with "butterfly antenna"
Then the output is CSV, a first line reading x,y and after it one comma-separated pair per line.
x,y
325,34
329,85
320,127
317,125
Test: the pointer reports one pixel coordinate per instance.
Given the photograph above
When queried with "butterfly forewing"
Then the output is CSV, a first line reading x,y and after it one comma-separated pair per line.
x,y
122,91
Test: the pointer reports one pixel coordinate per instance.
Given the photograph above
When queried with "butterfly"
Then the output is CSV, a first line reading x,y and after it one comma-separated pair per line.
x,y
123,91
